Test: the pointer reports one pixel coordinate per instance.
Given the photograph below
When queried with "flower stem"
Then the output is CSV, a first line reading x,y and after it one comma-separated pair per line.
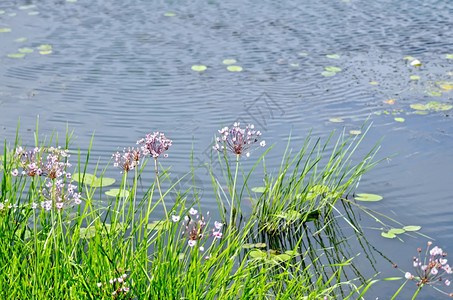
x,y
234,190
417,291
158,186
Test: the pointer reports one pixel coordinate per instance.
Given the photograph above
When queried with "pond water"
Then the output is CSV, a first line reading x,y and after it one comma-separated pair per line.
x,y
122,69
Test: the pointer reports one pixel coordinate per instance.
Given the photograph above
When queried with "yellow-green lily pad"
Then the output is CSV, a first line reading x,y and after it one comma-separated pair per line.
x,y
355,132
397,230
389,235
45,52
199,68
23,39
368,197
415,77
5,29
23,7
336,120
117,193
327,73
332,69
412,228
229,61
169,14
449,56
44,47
259,189
16,55
334,56
25,50
33,13
234,68
400,120
2,12
418,106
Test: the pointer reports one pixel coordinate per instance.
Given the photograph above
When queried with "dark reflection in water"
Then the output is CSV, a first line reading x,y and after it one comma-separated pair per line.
x,y
122,69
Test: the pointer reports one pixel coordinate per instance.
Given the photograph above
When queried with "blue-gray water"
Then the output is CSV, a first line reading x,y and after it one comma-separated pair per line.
x,y
122,69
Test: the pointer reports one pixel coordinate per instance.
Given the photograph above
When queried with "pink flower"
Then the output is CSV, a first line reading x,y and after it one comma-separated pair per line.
x,y
175,218
408,275
192,243
237,140
434,271
447,282
193,211
201,248
217,234
218,225
15,172
155,144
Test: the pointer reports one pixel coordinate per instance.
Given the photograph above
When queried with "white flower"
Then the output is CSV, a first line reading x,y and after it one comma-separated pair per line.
x,y
175,218
193,211
191,243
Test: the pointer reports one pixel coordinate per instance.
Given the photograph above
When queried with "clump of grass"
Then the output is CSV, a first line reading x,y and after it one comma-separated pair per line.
x,y
115,247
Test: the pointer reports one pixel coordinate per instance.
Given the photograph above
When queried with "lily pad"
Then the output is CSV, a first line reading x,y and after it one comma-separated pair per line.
x,y
336,120
355,132
88,232
45,52
412,228
449,56
23,7
169,14
25,50
327,73
433,105
282,257
94,181
415,77
447,86
16,55
199,68
2,12
234,68
258,254
260,245
23,39
33,13
117,193
332,69
399,119
389,235
5,29
334,56
71,0
259,189
368,197
248,246
229,61
44,47
397,230
157,225
418,106
373,82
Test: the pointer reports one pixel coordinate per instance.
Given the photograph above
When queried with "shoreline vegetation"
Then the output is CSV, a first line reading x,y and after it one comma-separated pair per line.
x,y
66,235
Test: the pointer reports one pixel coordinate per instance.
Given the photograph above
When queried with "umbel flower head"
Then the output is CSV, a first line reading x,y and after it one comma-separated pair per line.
x,y
237,140
155,144
128,160
432,269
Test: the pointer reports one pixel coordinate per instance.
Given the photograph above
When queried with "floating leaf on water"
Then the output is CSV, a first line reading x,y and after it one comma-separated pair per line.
x,y
336,120
373,82
303,53
334,56
33,13
332,69
88,232
449,56
248,246
25,50
294,65
355,132
434,105
397,231
420,112
258,254
435,93
447,86
327,73
23,7
282,257
16,55
416,63
390,101
418,106
367,197
71,0
234,68
44,47
292,252
5,29
409,58
117,192
92,180
399,119
169,14
21,39
2,12
259,189
199,68
229,61
415,77
260,245
412,228
45,52
389,235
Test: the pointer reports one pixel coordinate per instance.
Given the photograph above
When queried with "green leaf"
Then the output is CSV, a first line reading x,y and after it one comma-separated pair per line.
x,y
412,228
94,181
388,235
399,119
25,50
88,232
449,56
415,77
169,14
260,245
234,68
418,106
45,52
248,246
292,252
2,12
368,197
259,189
16,55
397,230
355,132
21,39
44,47
5,29
303,53
336,120
157,225
334,56
282,257
257,254
117,192
327,73
229,61
33,13
332,69
23,7
199,68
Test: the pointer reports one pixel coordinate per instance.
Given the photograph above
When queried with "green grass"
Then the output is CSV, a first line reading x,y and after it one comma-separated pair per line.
x,y
74,252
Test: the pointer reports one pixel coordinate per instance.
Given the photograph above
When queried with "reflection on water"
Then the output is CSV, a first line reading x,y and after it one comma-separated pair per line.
x,y
123,68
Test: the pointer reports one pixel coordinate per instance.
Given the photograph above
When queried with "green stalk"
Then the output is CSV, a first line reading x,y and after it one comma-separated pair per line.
x,y
417,291
158,186
234,190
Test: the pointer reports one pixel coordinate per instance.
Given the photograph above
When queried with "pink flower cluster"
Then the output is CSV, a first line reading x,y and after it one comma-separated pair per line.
x,y
237,140
50,163
128,160
154,144
432,268
115,286
194,227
